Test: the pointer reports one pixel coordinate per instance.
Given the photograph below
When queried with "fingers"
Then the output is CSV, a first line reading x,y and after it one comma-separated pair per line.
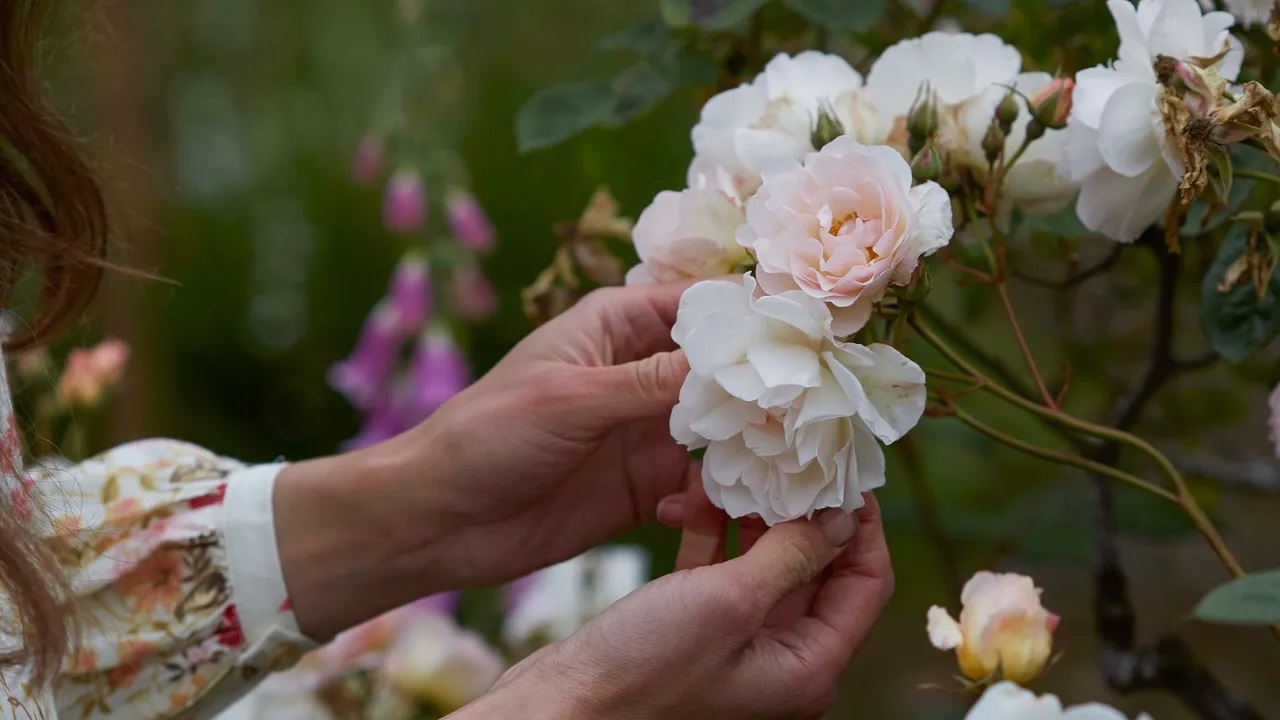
x,y
636,320
702,539
791,554
861,583
643,389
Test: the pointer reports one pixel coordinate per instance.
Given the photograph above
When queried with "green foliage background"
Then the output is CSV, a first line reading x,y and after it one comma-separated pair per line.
x,y
225,129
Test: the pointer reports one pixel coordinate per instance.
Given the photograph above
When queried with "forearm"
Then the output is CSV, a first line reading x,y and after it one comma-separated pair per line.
x,y
354,541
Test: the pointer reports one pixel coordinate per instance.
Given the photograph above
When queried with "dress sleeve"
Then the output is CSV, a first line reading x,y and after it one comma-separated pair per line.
x,y
172,553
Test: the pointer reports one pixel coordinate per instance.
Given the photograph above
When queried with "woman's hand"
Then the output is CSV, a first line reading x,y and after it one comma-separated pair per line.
x,y
564,444
765,635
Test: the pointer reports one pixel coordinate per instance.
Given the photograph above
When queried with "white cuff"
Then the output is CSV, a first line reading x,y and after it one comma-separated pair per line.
x,y
257,581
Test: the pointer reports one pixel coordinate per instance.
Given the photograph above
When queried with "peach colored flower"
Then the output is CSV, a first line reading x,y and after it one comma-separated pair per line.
x,y
844,227
156,583
91,371
1003,628
687,235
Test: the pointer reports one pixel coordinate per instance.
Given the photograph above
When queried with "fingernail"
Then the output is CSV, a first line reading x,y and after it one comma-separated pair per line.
x,y
671,511
838,525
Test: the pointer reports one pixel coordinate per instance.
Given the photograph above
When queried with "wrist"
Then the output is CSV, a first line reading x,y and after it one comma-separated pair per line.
x,y
355,538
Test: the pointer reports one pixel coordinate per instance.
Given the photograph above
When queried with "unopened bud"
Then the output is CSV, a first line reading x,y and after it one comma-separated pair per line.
x,y
1051,104
1007,112
1034,130
927,164
827,127
404,203
1271,220
993,142
922,119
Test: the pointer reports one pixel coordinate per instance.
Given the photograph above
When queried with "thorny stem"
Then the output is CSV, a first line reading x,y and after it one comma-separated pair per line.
x,y
1045,395
1185,499
1060,457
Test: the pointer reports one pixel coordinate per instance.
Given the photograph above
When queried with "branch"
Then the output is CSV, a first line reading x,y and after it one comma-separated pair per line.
x,y
1168,664
1078,277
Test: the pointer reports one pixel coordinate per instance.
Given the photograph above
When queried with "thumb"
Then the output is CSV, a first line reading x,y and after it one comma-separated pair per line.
x,y
645,388
792,554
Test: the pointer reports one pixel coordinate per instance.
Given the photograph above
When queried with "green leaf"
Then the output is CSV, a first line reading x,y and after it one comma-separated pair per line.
x,y
635,90
646,38
1250,600
1237,322
840,14
717,15
559,112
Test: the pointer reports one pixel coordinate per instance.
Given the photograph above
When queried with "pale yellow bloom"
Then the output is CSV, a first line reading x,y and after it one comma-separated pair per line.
x,y
1003,629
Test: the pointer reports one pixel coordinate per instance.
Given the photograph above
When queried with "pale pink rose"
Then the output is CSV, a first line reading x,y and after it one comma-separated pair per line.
x,y
1003,628
843,227
1275,418
91,371
687,235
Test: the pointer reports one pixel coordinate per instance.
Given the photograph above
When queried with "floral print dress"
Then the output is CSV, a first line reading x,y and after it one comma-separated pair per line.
x,y
171,551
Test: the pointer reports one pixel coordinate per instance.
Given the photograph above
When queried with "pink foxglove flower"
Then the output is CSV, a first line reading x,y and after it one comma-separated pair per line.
x,y
404,204
439,371
1003,629
473,294
385,419
365,375
410,292
367,161
467,221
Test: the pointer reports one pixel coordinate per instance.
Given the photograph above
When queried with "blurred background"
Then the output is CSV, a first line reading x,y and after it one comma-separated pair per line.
x,y
224,130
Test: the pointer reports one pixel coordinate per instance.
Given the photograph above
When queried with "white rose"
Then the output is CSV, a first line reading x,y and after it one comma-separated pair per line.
x,y
758,125
438,662
971,74
844,227
1007,701
788,415
957,66
1117,147
554,602
1003,628
687,235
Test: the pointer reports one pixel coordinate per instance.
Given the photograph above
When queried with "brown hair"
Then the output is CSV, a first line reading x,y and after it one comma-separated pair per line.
x,y
53,221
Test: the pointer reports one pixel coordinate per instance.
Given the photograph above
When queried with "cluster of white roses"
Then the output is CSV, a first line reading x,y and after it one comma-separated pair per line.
x,y
788,412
